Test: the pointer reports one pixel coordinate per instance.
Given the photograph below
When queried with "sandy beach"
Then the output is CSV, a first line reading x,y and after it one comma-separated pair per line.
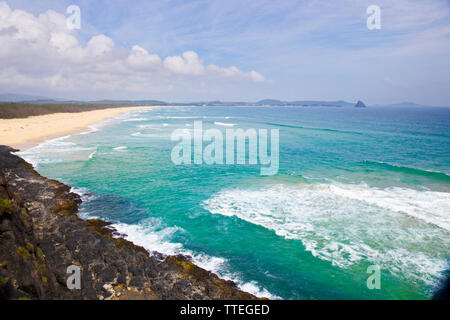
x,y
28,132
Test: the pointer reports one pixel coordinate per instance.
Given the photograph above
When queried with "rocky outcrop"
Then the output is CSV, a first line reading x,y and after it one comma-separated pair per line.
x,y
443,293
41,236
360,104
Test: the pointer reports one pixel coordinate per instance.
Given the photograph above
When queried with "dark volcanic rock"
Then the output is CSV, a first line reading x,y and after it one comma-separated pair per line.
x,y
41,236
443,293
360,104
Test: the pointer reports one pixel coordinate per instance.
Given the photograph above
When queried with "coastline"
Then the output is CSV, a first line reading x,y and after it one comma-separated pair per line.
x,y
205,284
46,235
25,133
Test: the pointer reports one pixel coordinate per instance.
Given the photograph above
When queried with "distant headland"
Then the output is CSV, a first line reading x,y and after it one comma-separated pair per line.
x,y
29,99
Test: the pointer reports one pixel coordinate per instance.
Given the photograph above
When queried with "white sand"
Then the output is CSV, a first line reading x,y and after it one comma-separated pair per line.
x,y
28,132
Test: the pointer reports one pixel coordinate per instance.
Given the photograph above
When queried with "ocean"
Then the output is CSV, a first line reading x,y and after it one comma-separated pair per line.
x,y
356,187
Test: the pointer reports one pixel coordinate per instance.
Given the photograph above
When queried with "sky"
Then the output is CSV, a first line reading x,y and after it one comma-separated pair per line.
x,y
234,50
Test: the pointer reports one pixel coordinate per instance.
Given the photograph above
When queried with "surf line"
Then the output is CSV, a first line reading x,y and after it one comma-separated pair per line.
x,y
221,150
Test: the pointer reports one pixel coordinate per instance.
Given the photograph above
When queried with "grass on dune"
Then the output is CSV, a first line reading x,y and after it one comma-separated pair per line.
x,y
23,110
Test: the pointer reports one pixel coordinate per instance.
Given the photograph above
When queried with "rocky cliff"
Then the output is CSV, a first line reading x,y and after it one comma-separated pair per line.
x,y
41,236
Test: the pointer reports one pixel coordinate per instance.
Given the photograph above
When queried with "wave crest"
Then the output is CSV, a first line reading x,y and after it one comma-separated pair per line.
x,y
402,230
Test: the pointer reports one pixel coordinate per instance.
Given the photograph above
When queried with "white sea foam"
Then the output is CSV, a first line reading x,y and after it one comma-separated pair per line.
x,y
52,151
429,206
149,127
135,120
146,235
254,288
143,135
402,230
151,236
178,117
121,148
91,156
82,192
91,129
97,126
224,124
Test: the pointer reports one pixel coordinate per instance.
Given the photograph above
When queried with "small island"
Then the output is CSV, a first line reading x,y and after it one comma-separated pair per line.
x,y
360,104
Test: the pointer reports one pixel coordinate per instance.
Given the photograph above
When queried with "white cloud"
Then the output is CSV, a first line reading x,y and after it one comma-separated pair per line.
x,y
234,72
41,52
141,60
188,64
256,76
63,41
100,45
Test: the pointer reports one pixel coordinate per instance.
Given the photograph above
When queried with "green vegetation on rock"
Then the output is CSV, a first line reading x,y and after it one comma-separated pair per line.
x,y
29,246
6,206
40,254
23,252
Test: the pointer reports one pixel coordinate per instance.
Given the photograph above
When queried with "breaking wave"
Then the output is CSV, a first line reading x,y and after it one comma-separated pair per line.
x,y
402,230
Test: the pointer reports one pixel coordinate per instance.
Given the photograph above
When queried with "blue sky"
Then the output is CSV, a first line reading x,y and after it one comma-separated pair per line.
x,y
296,50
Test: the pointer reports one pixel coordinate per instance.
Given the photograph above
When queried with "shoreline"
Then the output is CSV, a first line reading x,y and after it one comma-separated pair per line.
x,y
107,227
48,236
26,133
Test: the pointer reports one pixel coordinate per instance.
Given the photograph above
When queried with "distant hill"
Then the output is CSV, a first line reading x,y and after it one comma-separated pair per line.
x,y
307,103
270,102
23,98
130,102
14,97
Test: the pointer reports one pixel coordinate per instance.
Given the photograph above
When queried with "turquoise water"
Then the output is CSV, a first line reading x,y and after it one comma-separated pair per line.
x,y
355,188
